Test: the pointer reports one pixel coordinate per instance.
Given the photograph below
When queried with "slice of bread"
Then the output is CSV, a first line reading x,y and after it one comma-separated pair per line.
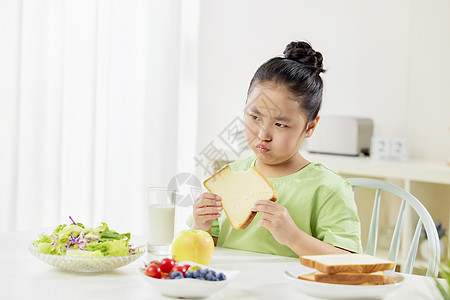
x,y
346,263
375,278
351,278
239,190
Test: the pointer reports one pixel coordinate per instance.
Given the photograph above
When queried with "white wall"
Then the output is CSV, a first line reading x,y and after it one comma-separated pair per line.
x,y
387,60
428,111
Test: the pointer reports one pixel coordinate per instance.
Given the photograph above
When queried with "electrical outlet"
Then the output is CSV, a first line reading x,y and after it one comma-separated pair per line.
x,y
399,149
394,148
380,147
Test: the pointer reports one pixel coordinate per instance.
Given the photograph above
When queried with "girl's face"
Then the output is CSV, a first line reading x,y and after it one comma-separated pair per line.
x,y
275,126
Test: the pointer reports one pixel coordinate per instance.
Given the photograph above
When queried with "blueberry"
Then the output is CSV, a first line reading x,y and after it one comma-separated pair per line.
x,y
221,276
209,277
197,273
201,278
203,272
177,275
213,273
189,274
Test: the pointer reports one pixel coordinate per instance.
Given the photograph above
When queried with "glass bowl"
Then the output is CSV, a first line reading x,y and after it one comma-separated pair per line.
x,y
86,264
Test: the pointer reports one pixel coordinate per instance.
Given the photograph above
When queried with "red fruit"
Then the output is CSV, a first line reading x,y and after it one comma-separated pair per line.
x,y
181,269
167,265
153,271
153,262
177,268
185,268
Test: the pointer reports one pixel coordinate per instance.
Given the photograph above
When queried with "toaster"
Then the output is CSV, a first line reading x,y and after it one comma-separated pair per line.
x,y
342,135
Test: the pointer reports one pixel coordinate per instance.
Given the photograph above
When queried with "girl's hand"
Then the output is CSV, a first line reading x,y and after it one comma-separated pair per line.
x,y
277,220
205,210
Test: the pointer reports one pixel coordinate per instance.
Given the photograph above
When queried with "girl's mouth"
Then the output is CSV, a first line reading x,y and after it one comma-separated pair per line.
x,y
262,148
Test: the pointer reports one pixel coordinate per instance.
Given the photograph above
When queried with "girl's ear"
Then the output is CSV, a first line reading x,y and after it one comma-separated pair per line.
x,y
311,127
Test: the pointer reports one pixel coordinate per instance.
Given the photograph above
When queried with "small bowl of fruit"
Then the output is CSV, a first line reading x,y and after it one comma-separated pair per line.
x,y
185,279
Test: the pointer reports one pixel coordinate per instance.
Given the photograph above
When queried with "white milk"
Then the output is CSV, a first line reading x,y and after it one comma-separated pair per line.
x,y
160,225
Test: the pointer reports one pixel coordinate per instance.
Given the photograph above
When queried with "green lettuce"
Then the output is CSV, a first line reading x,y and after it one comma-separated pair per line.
x,y
77,240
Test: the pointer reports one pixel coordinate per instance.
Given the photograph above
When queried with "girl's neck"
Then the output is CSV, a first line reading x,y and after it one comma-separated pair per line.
x,y
291,166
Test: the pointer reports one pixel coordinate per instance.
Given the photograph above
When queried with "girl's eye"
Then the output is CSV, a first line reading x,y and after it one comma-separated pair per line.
x,y
254,117
280,125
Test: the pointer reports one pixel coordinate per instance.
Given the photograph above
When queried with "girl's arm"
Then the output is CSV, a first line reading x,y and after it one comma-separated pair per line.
x,y
277,220
304,244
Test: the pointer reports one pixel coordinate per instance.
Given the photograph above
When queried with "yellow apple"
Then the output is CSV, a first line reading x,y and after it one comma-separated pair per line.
x,y
193,245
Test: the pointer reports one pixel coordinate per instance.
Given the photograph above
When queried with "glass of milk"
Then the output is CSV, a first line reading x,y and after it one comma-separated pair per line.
x,y
160,220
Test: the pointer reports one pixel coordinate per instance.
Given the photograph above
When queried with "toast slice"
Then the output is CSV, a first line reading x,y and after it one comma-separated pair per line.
x,y
239,190
375,278
346,263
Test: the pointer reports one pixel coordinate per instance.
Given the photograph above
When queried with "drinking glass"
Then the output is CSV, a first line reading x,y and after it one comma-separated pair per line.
x,y
160,220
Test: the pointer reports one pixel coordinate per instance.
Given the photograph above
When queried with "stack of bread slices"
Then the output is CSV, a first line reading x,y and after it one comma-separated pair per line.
x,y
354,269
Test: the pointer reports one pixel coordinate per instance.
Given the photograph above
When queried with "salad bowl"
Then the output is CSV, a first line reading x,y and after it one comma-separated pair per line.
x,y
75,247
85,263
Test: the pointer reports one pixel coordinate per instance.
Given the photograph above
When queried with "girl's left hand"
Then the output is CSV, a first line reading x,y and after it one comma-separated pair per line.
x,y
277,220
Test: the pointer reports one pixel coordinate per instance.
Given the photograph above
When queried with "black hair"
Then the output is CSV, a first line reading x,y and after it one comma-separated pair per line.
x,y
299,71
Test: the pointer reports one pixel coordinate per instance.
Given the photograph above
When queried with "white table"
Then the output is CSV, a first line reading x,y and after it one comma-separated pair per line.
x,y
23,276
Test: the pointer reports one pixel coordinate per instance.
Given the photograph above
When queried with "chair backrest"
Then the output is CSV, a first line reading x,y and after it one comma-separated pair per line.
x,y
425,220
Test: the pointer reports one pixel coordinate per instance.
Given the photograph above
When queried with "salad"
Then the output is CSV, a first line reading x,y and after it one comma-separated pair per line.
x,y
77,240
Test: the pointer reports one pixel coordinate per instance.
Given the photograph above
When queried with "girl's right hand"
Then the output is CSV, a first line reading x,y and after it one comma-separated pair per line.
x,y
205,210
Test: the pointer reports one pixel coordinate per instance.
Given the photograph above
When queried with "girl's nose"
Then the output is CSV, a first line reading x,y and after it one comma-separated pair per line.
x,y
264,134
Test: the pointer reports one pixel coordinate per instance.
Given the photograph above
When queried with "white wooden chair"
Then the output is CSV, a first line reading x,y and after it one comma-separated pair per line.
x,y
425,220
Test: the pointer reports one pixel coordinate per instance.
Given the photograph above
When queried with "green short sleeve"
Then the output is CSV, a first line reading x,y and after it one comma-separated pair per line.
x,y
337,222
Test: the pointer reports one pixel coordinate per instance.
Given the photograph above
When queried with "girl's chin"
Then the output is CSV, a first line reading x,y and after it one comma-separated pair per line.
x,y
265,157
269,158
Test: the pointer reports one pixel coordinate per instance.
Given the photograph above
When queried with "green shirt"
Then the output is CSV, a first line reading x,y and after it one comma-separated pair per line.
x,y
319,201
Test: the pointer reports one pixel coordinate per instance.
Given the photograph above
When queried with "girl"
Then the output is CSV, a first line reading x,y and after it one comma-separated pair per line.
x,y
315,212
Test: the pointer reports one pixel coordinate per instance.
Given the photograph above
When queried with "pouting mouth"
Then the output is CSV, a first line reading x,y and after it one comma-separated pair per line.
x,y
262,148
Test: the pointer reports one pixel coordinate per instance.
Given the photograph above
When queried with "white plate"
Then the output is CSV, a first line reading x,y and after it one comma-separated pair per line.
x,y
341,291
85,264
188,287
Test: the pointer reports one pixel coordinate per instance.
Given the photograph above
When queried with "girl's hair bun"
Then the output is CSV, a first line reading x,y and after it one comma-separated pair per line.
x,y
303,53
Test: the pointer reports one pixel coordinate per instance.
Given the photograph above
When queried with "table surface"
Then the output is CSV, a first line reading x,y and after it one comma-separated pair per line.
x,y
23,276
